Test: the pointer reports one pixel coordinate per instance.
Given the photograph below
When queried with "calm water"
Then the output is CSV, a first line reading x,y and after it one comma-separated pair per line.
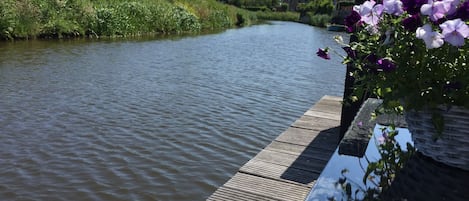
x,y
166,119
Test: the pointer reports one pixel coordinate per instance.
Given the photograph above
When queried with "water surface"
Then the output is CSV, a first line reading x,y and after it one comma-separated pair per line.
x,y
166,119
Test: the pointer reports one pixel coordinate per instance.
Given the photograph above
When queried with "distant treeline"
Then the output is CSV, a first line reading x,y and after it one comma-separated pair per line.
x,y
76,18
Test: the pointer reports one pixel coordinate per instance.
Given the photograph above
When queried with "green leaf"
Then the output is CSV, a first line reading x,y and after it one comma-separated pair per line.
x,y
371,167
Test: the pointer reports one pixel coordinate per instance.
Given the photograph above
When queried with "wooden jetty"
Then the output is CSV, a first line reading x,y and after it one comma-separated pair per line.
x,y
288,167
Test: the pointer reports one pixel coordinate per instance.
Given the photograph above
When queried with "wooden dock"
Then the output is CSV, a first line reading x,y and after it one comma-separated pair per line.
x,y
288,167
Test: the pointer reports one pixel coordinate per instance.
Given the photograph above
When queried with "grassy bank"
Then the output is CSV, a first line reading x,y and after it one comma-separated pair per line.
x,y
61,18
25,19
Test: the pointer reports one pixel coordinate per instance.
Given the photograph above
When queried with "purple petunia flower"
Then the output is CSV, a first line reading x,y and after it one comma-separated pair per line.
x,y
463,11
351,20
381,140
386,65
436,9
411,23
384,137
372,58
454,32
452,6
412,6
431,38
323,53
360,124
369,12
371,61
393,7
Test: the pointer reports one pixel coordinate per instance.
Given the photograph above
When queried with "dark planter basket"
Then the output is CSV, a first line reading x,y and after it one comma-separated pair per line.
x,y
452,147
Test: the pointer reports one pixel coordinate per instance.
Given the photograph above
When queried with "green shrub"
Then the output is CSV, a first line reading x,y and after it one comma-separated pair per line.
x,y
7,19
106,21
64,18
214,15
185,21
283,7
319,20
317,7
18,19
130,18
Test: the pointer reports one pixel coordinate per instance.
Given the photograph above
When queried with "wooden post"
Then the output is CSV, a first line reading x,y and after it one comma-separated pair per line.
x,y
349,108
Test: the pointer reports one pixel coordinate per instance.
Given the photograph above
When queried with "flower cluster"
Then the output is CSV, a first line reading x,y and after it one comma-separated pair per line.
x,y
410,52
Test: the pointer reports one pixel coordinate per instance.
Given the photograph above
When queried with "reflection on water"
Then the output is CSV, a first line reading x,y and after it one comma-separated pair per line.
x,y
151,119
352,169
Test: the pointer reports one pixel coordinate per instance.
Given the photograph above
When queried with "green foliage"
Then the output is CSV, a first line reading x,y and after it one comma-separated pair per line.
x,y
7,17
320,20
281,16
67,18
317,7
130,18
214,15
18,19
419,77
283,7
379,174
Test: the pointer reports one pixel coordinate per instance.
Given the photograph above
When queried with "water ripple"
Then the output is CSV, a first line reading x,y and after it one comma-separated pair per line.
x,y
151,119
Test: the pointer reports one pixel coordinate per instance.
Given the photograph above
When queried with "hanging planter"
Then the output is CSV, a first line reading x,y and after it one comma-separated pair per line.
x,y
451,147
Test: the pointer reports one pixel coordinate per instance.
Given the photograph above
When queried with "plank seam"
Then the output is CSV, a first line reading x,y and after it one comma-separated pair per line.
x,y
321,149
280,180
307,170
312,129
296,155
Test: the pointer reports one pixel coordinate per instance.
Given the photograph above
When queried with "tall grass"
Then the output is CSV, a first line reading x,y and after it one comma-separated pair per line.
x,y
62,18
77,18
214,15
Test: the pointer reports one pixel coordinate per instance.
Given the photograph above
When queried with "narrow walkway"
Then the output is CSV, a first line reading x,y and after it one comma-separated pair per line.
x,y
288,167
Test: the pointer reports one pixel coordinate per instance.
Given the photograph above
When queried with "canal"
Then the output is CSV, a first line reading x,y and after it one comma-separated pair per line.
x,y
152,119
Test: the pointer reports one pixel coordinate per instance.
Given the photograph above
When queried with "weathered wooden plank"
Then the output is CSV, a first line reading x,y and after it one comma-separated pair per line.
x,y
324,139
329,98
328,104
288,167
280,172
294,161
326,108
267,187
294,149
229,194
315,123
323,114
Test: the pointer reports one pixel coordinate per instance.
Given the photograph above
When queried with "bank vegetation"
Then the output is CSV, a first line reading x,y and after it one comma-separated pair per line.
x,y
26,19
